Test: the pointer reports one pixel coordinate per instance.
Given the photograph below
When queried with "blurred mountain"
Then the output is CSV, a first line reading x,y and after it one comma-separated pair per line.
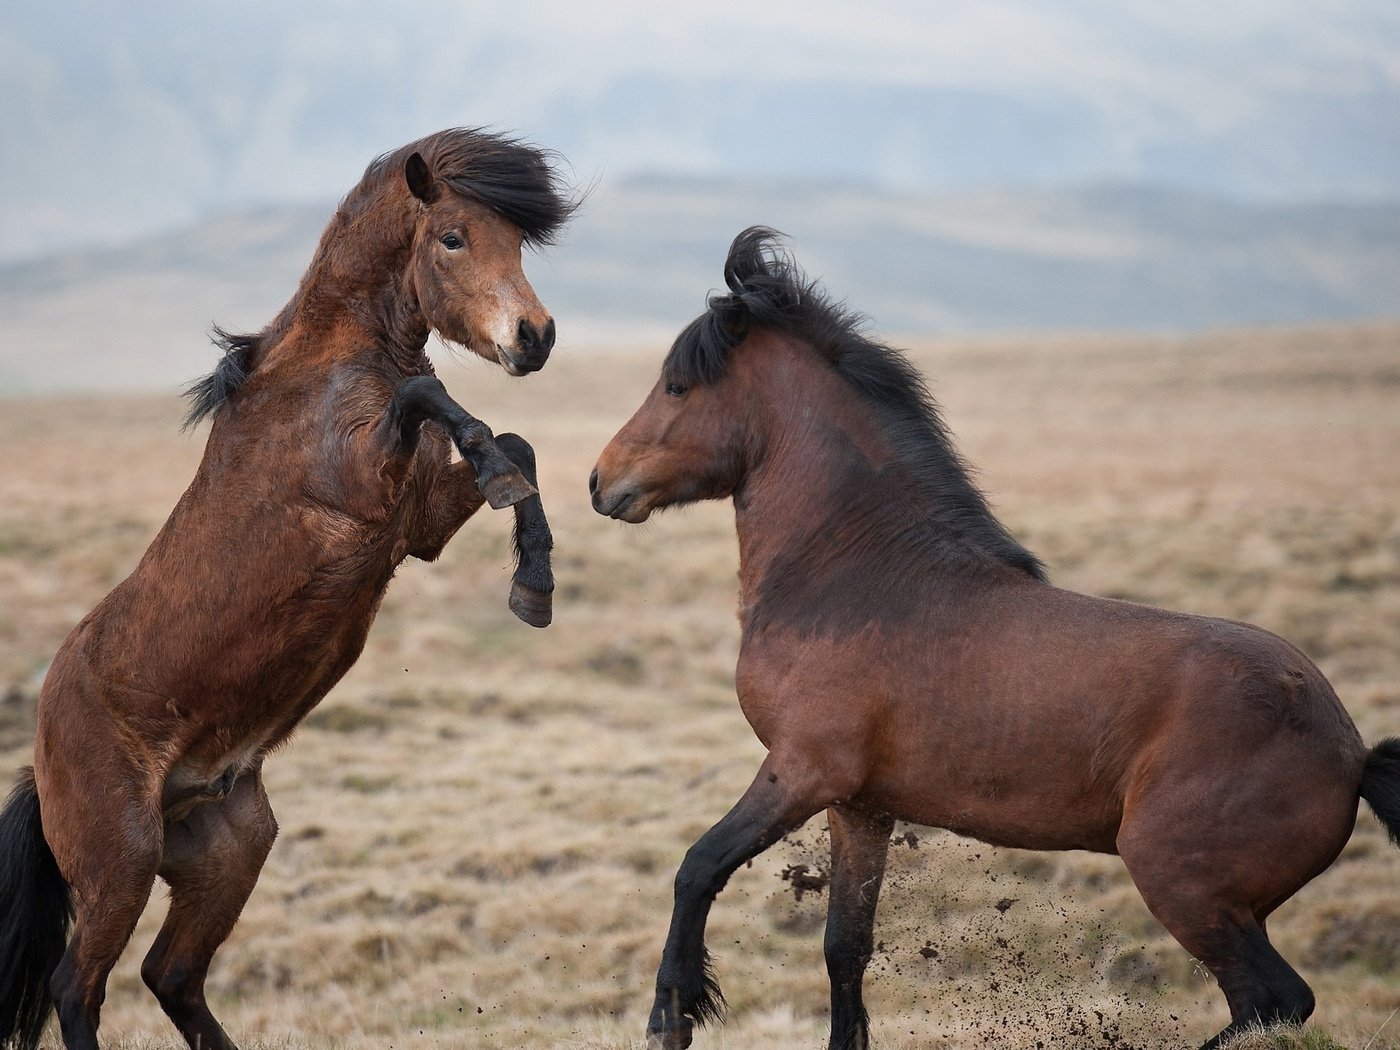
x,y
641,256
119,120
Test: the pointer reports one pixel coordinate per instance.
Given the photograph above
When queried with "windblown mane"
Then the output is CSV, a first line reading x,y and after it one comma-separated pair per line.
x,y
520,182
767,288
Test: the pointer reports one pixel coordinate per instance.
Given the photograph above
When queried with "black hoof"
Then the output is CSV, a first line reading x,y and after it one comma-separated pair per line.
x,y
533,607
506,490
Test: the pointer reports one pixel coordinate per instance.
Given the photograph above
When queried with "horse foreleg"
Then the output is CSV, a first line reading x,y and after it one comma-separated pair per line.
x,y
212,860
781,798
860,844
456,498
422,398
532,587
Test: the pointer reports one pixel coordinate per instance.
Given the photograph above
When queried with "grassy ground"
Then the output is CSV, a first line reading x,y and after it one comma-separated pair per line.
x,y
480,825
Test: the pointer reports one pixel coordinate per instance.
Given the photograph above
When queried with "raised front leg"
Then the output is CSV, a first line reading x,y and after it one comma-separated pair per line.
x,y
421,398
532,587
780,799
860,844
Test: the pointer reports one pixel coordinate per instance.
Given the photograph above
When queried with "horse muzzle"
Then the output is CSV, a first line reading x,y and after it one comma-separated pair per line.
x,y
531,349
621,504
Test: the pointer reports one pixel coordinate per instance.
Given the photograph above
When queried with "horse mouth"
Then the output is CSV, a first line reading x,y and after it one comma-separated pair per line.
x,y
516,364
625,506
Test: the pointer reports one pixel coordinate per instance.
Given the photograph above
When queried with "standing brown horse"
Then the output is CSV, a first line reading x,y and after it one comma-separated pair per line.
x,y
903,657
319,478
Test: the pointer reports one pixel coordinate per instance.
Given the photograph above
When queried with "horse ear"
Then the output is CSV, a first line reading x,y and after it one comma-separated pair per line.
x,y
420,179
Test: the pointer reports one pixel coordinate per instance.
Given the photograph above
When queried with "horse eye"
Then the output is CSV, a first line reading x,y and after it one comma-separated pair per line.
x,y
451,242
675,389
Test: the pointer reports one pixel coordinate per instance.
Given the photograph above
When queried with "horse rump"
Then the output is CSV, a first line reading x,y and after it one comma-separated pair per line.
x,y
36,910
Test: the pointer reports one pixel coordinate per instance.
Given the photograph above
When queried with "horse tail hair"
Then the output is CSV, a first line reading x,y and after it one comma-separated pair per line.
x,y
1380,784
36,910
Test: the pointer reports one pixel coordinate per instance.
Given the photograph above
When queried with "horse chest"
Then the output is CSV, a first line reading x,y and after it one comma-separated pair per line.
x,y
788,688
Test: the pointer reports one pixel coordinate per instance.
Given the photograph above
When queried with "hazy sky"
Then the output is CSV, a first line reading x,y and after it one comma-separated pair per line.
x,y
122,118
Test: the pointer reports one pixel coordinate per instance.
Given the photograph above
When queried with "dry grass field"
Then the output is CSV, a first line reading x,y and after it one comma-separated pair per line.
x,y
480,825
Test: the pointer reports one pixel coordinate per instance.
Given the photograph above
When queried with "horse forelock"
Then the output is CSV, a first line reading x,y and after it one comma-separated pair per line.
x,y
768,289
518,180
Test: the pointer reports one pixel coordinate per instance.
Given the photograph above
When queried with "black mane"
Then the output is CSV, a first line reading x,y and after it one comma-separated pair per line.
x,y
211,391
767,288
513,178
518,181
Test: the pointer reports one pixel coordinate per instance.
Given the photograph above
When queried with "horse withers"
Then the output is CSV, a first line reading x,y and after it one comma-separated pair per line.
x,y
903,657
328,462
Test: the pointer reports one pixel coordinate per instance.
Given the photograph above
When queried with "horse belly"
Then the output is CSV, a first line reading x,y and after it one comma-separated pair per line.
x,y
1018,805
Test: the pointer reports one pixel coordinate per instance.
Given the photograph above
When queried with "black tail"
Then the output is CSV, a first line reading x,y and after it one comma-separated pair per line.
x,y
1380,784
36,909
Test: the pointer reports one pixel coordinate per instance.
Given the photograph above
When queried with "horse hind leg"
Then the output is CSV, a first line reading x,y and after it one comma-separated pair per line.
x,y
860,845
212,861
1212,921
110,862
1259,985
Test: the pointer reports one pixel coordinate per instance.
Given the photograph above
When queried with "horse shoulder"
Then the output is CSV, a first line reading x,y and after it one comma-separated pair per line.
x,y
359,472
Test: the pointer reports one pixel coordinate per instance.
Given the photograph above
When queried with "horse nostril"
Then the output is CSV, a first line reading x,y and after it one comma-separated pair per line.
x,y
532,340
593,482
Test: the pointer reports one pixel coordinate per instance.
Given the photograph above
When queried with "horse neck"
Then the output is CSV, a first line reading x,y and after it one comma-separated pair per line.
x,y
829,496
355,297
819,454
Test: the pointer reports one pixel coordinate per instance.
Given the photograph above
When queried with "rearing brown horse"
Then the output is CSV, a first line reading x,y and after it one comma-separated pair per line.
x,y
902,657
318,479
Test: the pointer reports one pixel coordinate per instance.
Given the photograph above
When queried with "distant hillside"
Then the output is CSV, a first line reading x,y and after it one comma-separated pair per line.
x,y
119,120
640,258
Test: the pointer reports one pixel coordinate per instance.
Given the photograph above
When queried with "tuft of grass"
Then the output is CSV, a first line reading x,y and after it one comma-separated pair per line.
x,y
1283,1037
